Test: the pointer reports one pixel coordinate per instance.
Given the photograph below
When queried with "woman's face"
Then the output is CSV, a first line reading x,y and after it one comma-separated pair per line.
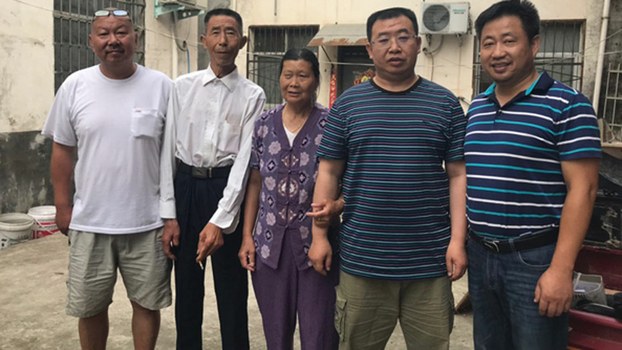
x,y
298,84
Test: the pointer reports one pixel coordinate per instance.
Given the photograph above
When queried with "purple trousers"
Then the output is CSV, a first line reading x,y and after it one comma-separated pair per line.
x,y
286,292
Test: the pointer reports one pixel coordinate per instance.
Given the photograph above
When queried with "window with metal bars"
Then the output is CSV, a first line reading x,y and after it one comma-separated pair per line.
x,y
561,55
266,47
613,104
72,24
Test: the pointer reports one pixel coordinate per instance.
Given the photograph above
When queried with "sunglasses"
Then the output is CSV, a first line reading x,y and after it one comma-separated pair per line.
x,y
116,13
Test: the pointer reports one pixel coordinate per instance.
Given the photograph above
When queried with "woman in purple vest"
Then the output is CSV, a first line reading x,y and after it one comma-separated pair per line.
x,y
277,231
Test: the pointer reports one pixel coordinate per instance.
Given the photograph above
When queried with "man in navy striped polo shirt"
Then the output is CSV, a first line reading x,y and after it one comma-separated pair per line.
x,y
404,221
532,153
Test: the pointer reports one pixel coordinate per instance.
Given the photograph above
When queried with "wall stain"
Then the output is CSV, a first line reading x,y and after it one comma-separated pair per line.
x,y
24,171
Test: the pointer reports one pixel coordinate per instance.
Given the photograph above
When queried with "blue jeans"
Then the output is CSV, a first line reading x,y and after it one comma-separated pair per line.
x,y
501,288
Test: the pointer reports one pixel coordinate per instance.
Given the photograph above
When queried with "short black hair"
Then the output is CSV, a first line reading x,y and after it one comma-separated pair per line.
x,y
389,13
225,12
523,9
305,55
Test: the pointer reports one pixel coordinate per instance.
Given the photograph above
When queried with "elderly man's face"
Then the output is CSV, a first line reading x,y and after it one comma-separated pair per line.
x,y
223,41
113,40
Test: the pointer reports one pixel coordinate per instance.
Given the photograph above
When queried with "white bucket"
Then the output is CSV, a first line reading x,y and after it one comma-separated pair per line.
x,y
14,228
45,220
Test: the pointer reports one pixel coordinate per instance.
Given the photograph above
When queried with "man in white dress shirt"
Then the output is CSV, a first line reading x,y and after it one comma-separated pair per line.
x,y
205,159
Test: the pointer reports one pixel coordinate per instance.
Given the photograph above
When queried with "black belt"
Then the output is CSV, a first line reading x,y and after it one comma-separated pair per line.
x,y
533,240
204,173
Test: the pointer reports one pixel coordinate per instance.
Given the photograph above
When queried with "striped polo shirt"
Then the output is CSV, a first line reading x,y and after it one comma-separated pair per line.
x,y
396,218
514,153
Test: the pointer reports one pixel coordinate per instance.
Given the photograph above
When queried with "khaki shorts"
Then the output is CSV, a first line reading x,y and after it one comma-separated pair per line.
x,y
93,263
367,311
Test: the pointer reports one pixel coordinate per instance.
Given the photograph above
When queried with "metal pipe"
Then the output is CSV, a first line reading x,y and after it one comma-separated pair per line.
x,y
175,58
601,54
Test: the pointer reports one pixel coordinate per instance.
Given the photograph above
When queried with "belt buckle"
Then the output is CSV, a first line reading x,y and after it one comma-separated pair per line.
x,y
201,173
492,245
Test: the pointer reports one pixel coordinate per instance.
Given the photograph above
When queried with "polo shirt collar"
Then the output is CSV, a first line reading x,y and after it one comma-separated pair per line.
x,y
230,80
542,84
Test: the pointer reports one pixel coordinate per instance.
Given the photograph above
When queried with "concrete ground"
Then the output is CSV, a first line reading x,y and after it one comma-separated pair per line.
x,y
32,300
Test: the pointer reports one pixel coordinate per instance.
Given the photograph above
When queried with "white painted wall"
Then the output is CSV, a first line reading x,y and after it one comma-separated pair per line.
x,y
451,67
26,64
27,50
27,58
161,52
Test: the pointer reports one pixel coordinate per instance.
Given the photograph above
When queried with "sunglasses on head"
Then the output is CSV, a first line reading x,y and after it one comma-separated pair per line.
x,y
116,13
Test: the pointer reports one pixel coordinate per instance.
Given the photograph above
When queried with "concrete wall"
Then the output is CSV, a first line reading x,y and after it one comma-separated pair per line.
x,y
161,51
27,90
27,70
452,66
27,65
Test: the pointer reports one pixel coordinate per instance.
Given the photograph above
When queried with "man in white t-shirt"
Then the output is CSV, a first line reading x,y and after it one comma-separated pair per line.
x,y
111,116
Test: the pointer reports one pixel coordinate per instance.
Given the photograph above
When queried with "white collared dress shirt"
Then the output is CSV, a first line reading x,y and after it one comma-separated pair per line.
x,y
209,124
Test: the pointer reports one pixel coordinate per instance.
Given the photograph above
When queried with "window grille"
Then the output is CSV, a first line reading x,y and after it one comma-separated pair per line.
x,y
266,47
72,24
561,55
612,105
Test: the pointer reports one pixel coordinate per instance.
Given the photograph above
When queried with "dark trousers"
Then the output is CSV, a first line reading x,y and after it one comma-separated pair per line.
x,y
197,200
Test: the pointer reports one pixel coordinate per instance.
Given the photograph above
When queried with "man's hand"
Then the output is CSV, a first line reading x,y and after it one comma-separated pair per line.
x,y
210,240
325,211
554,292
554,288
247,253
321,255
63,218
170,237
456,259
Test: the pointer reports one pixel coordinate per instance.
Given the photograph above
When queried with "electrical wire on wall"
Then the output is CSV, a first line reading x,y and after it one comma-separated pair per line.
x,y
188,57
183,47
330,60
429,53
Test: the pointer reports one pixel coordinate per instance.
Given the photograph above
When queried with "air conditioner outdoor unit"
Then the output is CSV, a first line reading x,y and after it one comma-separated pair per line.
x,y
445,18
178,2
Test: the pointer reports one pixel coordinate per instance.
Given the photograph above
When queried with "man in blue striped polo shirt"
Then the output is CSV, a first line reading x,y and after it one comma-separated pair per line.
x,y
404,221
532,153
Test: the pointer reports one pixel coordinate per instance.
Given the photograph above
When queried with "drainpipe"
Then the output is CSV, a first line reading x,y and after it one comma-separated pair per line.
x,y
175,58
601,55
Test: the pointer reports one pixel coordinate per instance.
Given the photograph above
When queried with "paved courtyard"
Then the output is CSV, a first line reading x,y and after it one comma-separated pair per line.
x,y
32,299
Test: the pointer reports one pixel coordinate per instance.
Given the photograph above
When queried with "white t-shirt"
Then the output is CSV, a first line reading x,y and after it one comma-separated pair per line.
x,y
290,135
117,127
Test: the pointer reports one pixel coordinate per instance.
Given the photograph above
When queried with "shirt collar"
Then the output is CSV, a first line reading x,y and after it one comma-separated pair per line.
x,y
542,84
230,80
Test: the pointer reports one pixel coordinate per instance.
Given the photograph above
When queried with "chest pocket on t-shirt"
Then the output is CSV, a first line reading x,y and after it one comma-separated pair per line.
x,y
146,122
